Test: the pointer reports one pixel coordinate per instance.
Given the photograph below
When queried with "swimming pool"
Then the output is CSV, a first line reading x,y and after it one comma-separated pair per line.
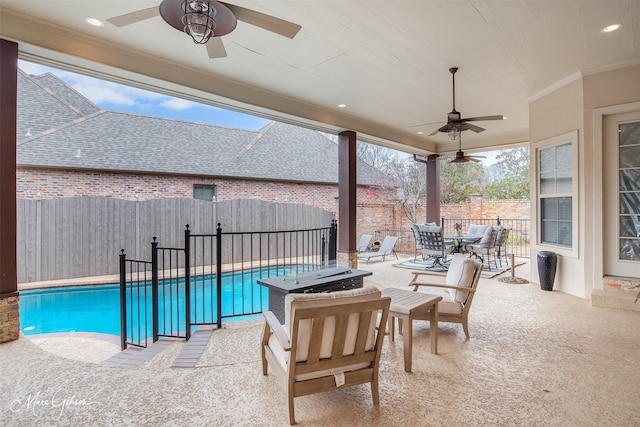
x,y
97,308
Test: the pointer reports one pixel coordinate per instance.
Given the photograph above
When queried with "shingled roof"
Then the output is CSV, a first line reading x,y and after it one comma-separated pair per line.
x,y
59,128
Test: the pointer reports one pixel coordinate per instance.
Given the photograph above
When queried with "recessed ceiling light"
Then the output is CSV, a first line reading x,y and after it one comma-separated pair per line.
x,y
93,21
342,105
420,133
610,28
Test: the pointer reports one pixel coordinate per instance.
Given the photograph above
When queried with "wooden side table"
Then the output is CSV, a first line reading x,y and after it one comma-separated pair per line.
x,y
405,305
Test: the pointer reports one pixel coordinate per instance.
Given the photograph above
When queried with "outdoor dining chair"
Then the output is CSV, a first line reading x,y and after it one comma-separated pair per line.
x,y
501,245
418,238
486,248
433,245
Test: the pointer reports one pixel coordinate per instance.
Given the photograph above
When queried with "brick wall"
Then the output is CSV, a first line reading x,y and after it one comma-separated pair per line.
x,y
388,216
53,184
479,208
376,208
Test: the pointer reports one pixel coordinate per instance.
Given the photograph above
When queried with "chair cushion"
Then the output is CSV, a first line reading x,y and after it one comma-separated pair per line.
x,y
416,232
283,358
447,305
429,228
477,230
487,235
475,233
460,273
294,301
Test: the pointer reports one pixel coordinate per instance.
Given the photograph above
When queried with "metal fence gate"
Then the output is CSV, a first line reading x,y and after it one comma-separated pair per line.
x,y
213,277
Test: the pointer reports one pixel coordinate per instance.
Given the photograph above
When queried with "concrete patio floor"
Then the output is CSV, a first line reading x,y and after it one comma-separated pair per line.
x,y
534,358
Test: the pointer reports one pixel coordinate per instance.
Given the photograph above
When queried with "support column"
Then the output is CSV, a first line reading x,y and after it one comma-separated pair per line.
x,y
9,309
347,250
433,189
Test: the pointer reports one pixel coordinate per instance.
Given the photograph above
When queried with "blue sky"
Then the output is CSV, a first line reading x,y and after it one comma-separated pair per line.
x,y
117,97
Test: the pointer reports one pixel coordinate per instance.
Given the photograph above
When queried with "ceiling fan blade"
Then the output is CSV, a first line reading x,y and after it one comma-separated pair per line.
x,y
483,118
267,22
133,17
426,124
444,128
468,126
215,48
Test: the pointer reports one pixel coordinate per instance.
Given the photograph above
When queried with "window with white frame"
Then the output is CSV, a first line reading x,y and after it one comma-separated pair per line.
x,y
556,162
204,192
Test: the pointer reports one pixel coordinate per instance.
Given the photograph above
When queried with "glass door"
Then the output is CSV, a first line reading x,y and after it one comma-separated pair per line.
x,y
622,194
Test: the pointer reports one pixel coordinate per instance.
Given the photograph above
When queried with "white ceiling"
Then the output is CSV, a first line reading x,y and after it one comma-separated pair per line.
x,y
387,60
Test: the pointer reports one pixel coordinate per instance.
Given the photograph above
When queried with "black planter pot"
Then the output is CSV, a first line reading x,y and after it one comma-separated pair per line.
x,y
547,263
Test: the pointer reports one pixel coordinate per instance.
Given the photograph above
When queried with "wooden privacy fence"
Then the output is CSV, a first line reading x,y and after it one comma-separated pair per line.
x,y
82,236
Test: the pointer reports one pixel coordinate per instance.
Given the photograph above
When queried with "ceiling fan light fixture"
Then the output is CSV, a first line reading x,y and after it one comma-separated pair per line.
x,y
453,133
198,20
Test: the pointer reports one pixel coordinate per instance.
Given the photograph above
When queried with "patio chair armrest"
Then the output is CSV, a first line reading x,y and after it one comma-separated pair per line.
x,y
459,288
272,323
426,273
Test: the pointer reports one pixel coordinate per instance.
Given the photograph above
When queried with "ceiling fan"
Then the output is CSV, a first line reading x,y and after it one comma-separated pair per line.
x,y
455,122
207,20
461,158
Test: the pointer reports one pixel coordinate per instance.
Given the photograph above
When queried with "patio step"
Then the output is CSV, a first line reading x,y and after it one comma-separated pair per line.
x,y
189,356
133,357
193,349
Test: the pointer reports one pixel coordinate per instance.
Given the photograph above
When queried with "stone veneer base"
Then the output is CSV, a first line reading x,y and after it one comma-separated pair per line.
x,y
9,319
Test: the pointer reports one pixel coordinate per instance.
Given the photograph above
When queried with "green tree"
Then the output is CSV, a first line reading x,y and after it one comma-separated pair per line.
x,y
512,175
458,181
509,178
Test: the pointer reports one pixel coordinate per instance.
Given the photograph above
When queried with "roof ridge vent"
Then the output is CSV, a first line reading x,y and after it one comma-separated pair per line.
x,y
256,138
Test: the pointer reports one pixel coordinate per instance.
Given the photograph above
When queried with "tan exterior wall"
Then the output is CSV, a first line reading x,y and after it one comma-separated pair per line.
x,y
611,92
574,107
555,114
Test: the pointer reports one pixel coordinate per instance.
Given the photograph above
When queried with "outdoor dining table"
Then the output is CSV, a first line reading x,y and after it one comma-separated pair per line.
x,y
458,240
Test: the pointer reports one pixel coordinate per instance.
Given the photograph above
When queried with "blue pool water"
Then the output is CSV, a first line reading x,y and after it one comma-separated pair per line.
x,y
97,308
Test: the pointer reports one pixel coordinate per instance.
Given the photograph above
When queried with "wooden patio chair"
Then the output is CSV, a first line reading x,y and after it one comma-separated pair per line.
x,y
457,292
329,340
